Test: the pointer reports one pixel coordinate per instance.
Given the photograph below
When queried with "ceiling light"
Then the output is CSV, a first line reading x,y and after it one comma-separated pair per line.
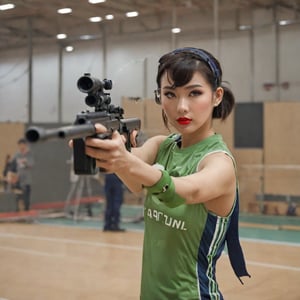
x,y
64,11
95,19
86,37
61,36
7,6
176,30
109,17
245,27
285,22
96,1
69,48
132,14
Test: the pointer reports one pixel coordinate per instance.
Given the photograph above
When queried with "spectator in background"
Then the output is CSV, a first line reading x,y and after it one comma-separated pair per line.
x,y
114,194
5,173
23,162
292,209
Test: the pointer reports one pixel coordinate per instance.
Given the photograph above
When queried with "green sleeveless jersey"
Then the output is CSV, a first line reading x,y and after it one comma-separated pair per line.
x,y
182,244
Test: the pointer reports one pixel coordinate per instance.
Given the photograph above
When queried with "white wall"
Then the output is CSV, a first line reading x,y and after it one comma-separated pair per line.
x,y
131,63
13,86
45,85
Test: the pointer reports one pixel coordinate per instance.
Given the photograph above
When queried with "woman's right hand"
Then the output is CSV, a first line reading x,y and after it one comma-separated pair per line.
x,y
110,154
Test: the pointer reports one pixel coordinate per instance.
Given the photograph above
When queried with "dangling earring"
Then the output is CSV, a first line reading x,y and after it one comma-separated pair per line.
x,y
165,119
157,96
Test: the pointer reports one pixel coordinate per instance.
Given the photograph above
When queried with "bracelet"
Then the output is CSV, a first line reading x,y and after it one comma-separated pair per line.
x,y
164,190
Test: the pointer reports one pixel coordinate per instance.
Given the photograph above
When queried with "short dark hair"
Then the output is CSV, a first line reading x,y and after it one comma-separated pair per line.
x,y
22,141
181,66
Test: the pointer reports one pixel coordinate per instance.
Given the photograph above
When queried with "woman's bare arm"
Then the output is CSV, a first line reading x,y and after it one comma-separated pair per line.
x,y
133,168
214,184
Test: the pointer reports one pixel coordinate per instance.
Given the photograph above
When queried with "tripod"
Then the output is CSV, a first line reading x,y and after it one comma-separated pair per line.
x,y
75,194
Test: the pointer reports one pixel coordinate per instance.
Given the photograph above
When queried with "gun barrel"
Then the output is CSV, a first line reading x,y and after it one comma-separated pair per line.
x,y
35,134
76,131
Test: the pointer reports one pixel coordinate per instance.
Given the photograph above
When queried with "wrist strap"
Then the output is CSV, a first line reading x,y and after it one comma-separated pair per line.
x,y
164,190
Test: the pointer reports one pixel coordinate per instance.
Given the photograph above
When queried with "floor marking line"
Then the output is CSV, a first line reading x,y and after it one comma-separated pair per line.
x,y
27,251
108,245
269,265
69,241
270,242
273,266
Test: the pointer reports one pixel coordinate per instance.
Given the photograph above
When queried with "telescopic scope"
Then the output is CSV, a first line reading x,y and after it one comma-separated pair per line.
x,y
88,84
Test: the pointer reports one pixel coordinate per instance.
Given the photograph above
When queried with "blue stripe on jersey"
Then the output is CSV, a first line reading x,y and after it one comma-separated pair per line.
x,y
234,248
210,249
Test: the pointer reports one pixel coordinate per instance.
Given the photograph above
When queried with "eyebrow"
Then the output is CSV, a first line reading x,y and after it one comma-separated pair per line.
x,y
171,87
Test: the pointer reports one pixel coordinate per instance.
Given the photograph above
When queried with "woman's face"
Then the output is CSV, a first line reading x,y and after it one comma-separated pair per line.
x,y
189,107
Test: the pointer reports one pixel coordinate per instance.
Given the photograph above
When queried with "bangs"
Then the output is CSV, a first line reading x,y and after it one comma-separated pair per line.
x,y
181,72
180,69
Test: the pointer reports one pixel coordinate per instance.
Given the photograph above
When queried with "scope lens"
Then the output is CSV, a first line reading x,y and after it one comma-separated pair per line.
x,y
85,83
91,101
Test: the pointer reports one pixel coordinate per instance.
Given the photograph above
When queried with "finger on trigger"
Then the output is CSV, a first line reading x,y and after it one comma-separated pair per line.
x,y
133,136
100,128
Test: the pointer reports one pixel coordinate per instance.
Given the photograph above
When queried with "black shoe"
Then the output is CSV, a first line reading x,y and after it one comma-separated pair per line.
x,y
118,229
114,229
107,228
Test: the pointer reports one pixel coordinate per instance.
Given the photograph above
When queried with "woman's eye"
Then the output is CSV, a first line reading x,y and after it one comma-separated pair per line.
x,y
195,93
169,95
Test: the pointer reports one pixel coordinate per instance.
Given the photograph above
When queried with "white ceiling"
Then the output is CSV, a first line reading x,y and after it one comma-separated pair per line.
x,y
39,19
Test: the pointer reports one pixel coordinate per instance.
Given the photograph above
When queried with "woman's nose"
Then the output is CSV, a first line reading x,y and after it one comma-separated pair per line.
x,y
182,105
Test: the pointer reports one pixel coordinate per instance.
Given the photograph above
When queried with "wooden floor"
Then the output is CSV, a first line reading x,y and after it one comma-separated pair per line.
x,y
42,262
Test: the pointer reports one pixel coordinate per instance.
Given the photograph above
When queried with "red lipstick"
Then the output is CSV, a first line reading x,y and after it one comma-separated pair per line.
x,y
184,121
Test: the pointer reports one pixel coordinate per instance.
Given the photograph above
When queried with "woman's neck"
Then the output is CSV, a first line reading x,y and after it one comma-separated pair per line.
x,y
196,137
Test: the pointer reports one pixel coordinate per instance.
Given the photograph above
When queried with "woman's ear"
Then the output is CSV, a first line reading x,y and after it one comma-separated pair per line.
x,y
218,96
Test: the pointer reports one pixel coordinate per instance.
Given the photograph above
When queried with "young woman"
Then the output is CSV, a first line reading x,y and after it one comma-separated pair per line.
x,y
191,208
